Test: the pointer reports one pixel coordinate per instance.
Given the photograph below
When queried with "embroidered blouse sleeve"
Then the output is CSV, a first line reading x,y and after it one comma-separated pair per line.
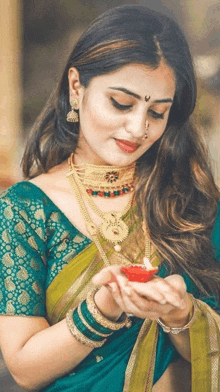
x,y
22,257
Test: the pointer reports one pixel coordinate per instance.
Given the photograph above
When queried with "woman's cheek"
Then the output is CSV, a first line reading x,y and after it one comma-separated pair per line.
x,y
101,118
155,134
158,130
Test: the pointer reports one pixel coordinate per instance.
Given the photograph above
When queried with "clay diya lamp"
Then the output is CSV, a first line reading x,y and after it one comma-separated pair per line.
x,y
136,273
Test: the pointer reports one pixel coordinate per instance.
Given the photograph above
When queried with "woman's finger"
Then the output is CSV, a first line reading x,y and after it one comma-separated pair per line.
x,y
127,304
106,275
151,292
131,302
177,282
116,293
158,290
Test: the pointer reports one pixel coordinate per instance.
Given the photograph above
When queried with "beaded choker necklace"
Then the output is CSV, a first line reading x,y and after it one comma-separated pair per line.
x,y
105,181
113,228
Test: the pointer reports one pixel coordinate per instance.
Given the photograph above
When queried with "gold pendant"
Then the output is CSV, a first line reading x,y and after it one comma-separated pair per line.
x,y
113,228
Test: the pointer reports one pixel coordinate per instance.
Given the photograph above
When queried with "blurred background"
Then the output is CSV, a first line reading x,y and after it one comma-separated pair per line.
x,y
36,37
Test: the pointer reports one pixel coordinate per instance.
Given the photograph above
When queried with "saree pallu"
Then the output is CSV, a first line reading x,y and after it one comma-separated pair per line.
x,y
132,360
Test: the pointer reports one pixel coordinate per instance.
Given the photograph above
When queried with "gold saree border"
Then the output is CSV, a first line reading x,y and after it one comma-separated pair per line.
x,y
205,354
65,278
140,369
205,350
214,344
79,289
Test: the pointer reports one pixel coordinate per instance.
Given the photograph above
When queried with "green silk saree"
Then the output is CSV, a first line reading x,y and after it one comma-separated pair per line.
x,y
46,268
133,360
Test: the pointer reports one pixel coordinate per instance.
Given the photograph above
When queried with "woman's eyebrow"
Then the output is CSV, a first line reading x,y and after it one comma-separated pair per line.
x,y
126,91
163,100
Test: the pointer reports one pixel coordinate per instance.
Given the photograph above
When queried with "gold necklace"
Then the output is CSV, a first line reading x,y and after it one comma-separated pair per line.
x,y
89,224
113,228
92,229
105,181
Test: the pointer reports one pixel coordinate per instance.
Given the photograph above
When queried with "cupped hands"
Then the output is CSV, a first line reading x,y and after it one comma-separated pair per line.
x,y
164,298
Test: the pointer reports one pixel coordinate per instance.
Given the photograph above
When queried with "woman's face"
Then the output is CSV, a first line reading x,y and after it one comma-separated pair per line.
x,y
113,111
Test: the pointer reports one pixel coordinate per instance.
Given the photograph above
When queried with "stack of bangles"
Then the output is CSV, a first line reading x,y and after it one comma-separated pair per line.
x,y
89,326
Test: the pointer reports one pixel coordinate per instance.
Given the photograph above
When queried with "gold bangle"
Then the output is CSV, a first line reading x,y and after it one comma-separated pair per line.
x,y
101,319
78,335
175,330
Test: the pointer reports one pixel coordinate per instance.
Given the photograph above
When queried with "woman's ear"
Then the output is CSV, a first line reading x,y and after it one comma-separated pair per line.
x,y
75,87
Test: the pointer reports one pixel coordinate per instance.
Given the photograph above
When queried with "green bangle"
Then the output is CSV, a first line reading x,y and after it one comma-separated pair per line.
x,y
89,326
83,328
78,335
91,320
90,323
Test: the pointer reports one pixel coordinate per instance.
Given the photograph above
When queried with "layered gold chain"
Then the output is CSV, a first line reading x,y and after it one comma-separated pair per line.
x,y
89,224
113,228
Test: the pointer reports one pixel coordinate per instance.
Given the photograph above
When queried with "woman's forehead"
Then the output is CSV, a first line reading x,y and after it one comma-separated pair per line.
x,y
140,79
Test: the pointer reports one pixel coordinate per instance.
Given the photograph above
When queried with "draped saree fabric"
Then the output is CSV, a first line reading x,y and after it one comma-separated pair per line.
x,y
59,263
137,357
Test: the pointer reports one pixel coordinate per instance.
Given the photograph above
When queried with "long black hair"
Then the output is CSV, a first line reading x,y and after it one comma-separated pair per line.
x,y
175,191
122,35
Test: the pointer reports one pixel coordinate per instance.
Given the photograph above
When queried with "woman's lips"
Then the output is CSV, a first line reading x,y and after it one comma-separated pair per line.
x,y
126,146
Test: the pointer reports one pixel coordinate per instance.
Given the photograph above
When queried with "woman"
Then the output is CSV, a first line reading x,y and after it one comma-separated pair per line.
x,y
114,172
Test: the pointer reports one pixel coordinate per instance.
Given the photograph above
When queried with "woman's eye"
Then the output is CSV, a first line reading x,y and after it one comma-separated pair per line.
x,y
156,114
119,106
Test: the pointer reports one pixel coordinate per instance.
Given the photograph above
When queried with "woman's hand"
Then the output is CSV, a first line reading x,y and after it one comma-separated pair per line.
x,y
165,298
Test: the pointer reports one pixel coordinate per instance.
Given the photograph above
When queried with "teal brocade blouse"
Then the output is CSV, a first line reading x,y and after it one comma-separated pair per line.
x,y
36,241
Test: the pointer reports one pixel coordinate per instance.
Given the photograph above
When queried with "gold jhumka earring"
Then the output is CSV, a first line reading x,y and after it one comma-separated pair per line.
x,y
73,116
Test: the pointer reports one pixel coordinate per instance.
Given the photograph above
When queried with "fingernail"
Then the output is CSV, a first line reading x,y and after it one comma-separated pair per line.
x,y
163,302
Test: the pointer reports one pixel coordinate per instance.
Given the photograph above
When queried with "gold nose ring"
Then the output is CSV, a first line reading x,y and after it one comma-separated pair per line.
x,y
146,130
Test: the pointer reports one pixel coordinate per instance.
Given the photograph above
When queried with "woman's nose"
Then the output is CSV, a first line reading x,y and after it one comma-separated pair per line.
x,y
137,125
